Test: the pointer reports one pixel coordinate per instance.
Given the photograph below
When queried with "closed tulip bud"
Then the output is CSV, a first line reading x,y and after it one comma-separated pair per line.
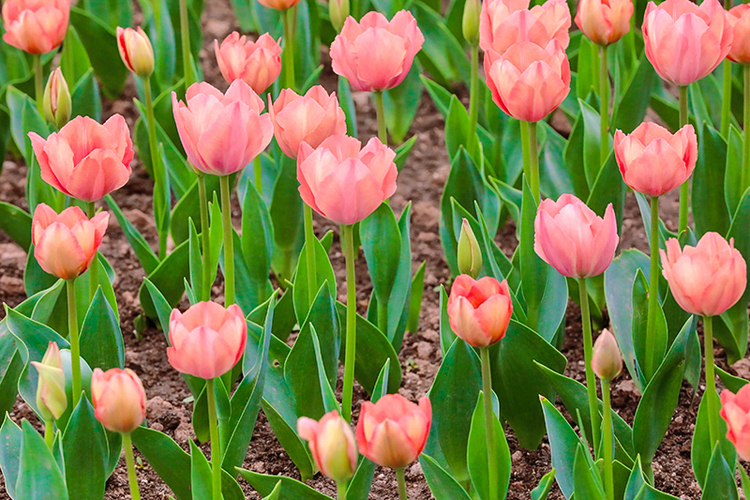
x,y
604,21
606,360
469,253
119,399
332,445
735,410
470,22
57,101
479,311
338,11
50,393
278,4
136,51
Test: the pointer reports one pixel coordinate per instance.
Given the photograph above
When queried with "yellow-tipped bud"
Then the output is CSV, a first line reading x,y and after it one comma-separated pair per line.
x,y
469,253
470,22
136,51
338,11
50,394
606,360
56,102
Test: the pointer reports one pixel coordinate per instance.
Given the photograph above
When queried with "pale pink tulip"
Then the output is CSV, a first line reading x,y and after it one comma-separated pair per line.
x,y
735,410
393,431
86,160
479,311
652,161
35,26
311,118
685,41
332,445
342,182
604,21
222,133
570,237
208,340
506,22
136,51
739,19
119,399
376,54
706,279
65,245
279,4
257,63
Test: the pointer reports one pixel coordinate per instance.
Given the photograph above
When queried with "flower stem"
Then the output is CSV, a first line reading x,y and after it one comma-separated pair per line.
x,y
161,197
226,216
525,153
726,101
685,188
653,292
258,170
39,83
347,232
208,280
75,353
288,52
401,484
604,95
94,268
127,447
534,162
380,107
489,421
187,65
341,488
473,99
213,424
312,272
713,411
49,433
587,354
745,176
609,485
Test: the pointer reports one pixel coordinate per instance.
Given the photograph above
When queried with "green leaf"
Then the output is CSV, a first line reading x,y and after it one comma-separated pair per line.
x,y
347,104
381,242
731,382
630,108
200,473
701,444
708,201
640,303
587,80
442,55
442,485
291,489
85,449
11,440
101,338
544,486
722,485
415,301
146,257
403,151
287,436
188,207
587,482
168,278
477,455
286,215
257,240
733,170
401,104
16,223
564,443
39,477
167,459
324,273
639,489
85,97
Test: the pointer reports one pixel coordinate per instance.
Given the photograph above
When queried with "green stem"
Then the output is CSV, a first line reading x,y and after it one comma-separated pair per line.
x,y
604,95
94,268
312,272
49,433
213,424
653,292
525,153
587,354
127,447
609,484
160,173
208,280
685,188
745,176
341,488
713,411
401,484
288,52
39,83
187,66
473,99
75,353
534,162
347,233
489,421
258,171
226,216
383,318
726,101
380,107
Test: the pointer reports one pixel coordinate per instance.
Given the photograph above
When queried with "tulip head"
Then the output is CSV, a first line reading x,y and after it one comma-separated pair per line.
x,y
739,19
735,410
706,279
470,22
606,360
35,26
479,311
136,51
50,392
257,63
119,399
506,22
393,431
604,21
469,253
56,102
278,4
332,445
338,10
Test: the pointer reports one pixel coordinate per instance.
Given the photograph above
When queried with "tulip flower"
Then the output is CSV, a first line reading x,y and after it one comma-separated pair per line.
x,y
739,20
735,410
57,103
505,22
311,118
257,63
332,445
279,4
607,359
479,311
652,161
604,22
86,160
35,26
136,51
51,400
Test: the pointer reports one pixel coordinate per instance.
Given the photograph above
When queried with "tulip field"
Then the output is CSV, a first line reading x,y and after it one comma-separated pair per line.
x,y
374,249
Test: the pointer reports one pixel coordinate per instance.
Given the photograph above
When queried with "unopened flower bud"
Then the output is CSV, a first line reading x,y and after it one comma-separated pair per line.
x,y
332,445
57,101
470,22
469,253
607,359
50,393
339,11
136,51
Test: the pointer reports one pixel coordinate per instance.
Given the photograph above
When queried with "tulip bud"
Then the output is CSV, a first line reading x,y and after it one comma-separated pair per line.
x,y
470,22
332,445
339,11
119,399
57,101
606,360
469,253
50,392
136,51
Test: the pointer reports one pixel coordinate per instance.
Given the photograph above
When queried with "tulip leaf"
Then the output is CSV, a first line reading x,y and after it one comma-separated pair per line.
x,y
101,338
200,473
168,278
440,96
291,489
381,242
16,223
587,78
640,304
257,242
324,273
588,483
167,459
286,433
146,257
574,159
286,215
730,382
399,301
709,204
638,488
563,442
403,152
608,188
188,207
11,440
477,455
722,485
347,105
543,488
442,485
85,97
630,108
39,477
85,448
442,56
733,188
12,367
701,444
274,495
401,103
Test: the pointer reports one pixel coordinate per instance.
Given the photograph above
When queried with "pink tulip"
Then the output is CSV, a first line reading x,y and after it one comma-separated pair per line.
x,y
376,54
479,311
222,133
136,51
527,81
66,244
311,118
35,26
332,445
279,4
86,160
342,183
206,341
685,41
506,22
570,237
739,19
652,161
606,359
119,399
706,279
393,431
735,410
257,63
604,21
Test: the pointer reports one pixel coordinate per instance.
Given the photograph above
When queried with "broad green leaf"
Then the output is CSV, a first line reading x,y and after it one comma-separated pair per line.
x,y
702,447
441,483
39,477
544,486
477,455
101,338
381,242
722,485
167,459
564,442
16,223
11,440
168,277
85,449
146,257
586,479
708,200
291,489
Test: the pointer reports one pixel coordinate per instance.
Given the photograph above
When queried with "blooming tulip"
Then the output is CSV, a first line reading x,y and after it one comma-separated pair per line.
x,y
35,26
257,63
136,51
506,22
570,237
56,102
706,279
735,410
119,399
342,183
652,161
685,41
607,359
393,431
311,118
332,445
206,341
739,19
375,54
86,160
604,21
479,311
279,4
527,81
66,244
222,133
50,393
